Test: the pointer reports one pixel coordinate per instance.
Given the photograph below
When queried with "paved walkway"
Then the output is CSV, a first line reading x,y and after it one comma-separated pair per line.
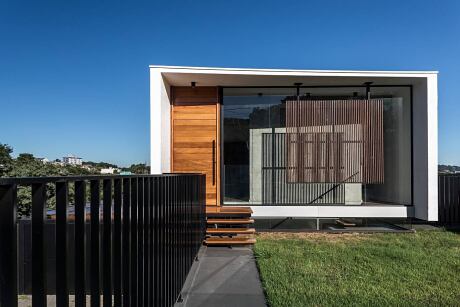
x,y
223,277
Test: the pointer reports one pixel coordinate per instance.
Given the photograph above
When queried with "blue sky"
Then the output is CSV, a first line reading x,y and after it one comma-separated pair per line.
x,y
74,74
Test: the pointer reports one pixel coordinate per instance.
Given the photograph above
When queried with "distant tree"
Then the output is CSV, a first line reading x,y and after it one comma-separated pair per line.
x,y
26,165
100,164
6,160
140,168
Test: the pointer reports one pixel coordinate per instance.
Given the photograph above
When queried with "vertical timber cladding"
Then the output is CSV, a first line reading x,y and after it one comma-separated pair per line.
x,y
334,140
195,142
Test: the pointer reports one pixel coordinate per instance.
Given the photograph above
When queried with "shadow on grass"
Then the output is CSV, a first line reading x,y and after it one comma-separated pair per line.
x,y
454,229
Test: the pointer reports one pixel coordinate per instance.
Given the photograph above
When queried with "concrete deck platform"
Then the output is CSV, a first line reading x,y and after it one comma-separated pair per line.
x,y
223,277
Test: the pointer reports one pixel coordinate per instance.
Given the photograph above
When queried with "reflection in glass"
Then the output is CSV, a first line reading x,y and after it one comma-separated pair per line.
x,y
255,155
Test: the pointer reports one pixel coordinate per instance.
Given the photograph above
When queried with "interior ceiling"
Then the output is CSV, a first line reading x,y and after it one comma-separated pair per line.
x,y
184,79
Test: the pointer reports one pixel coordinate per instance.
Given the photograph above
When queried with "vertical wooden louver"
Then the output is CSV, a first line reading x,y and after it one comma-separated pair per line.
x,y
334,141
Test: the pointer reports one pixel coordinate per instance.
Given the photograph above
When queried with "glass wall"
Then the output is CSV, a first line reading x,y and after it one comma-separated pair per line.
x,y
255,147
247,114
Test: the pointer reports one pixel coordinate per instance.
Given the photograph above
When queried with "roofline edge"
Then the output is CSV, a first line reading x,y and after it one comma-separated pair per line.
x,y
277,70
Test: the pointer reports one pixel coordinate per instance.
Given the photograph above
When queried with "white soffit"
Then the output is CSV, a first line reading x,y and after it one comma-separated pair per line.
x,y
203,76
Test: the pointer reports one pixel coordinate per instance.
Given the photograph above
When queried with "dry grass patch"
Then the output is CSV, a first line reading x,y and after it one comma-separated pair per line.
x,y
314,236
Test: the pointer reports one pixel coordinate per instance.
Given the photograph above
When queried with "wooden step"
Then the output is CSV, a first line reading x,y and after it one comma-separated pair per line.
x,y
228,215
229,241
230,221
228,210
226,231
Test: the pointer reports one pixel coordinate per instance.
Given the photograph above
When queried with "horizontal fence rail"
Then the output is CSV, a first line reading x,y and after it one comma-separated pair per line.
x,y
133,247
449,199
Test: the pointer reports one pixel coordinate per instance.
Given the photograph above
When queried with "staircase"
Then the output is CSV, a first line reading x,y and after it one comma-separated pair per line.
x,y
229,226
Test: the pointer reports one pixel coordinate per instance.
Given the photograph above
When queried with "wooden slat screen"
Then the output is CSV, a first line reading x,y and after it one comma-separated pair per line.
x,y
334,140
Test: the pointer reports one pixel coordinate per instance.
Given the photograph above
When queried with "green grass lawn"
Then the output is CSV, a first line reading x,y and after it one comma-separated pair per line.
x,y
411,269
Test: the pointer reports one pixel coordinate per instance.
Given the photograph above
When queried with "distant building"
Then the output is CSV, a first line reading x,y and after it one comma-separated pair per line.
x,y
43,160
72,160
126,173
110,170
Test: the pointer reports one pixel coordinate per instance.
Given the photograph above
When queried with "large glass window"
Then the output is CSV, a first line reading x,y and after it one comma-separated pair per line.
x,y
258,166
247,115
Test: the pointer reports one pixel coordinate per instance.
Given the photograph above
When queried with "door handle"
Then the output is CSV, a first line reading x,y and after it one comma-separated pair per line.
x,y
214,162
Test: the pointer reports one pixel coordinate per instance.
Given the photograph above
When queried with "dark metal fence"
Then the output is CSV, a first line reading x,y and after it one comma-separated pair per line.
x,y
139,250
449,199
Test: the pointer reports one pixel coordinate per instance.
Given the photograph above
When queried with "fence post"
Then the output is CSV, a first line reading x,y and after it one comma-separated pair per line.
x,y
95,215
62,203
107,242
80,243
8,246
38,245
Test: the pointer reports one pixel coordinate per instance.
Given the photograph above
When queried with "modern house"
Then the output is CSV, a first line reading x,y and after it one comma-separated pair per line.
x,y
72,160
301,143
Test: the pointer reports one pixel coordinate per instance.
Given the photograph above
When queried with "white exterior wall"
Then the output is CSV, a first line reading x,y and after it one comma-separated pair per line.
x,y
425,148
432,147
160,126
425,133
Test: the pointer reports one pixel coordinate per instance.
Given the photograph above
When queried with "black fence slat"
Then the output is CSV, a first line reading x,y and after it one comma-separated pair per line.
x,y
151,238
162,240
38,245
175,239
126,242
95,213
168,242
107,242
117,241
454,200
134,242
441,199
62,203
80,238
140,241
156,242
8,245
146,234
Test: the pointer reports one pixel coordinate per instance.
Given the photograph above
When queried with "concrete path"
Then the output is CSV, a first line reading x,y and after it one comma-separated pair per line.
x,y
223,277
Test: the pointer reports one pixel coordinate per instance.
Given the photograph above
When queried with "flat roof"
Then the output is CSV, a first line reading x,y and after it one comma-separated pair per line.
x,y
219,76
278,70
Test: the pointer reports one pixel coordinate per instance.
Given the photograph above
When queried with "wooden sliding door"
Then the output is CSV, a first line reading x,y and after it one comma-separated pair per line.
x,y
195,136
